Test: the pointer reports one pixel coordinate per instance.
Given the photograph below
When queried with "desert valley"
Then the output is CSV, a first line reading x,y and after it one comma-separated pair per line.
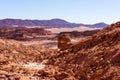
x,y
59,50
45,32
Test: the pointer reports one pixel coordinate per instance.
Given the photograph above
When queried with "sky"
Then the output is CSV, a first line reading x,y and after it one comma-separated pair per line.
x,y
76,11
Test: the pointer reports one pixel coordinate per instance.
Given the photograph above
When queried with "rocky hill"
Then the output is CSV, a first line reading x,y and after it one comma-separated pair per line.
x,y
94,58
53,23
22,33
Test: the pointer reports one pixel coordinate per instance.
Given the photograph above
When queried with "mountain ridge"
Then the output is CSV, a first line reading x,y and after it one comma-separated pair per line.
x,y
57,23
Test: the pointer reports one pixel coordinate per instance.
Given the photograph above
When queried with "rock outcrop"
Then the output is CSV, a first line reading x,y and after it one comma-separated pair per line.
x,y
64,41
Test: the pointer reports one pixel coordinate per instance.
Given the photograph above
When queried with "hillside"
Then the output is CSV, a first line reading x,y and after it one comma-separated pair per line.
x,y
21,62
53,23
94,58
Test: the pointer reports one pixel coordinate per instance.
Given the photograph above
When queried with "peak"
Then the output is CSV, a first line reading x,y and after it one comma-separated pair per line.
x,y
100,25
57,19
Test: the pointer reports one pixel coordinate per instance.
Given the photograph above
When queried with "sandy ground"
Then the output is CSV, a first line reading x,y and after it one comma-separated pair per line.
x,y
81,28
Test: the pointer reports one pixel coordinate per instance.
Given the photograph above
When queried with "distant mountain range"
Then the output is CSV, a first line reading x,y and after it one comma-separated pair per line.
x,y
53,23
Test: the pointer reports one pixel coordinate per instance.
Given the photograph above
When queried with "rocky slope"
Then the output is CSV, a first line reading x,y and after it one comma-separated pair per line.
x,y
20,62
94,58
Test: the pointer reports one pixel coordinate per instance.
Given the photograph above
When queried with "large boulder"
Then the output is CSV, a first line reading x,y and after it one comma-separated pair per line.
x,y
64,41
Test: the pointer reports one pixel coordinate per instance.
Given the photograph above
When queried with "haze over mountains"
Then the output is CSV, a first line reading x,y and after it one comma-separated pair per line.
x,y
53,23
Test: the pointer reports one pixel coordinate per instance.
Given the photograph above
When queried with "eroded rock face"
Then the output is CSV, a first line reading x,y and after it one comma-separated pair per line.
x,y
64,41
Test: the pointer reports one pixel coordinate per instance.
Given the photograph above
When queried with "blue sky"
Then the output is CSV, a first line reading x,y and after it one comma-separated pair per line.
x,y
79,11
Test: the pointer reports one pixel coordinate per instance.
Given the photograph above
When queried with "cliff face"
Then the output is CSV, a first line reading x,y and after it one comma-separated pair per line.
x,y
94,58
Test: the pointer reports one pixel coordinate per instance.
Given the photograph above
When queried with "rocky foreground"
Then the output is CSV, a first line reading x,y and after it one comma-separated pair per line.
x,y
94,58
20,62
